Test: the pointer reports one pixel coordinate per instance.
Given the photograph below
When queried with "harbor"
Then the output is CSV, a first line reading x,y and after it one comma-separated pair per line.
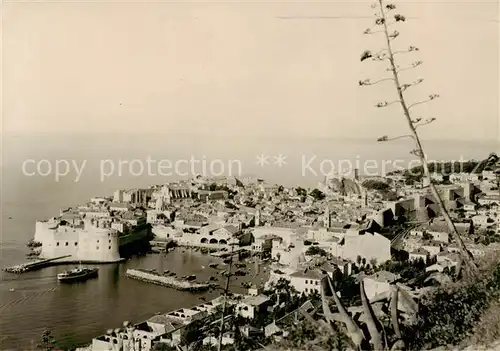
x,y
167,281
88,303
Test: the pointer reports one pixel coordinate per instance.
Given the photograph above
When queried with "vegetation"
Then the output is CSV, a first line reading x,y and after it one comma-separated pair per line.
x,y
47,341
317,194
383,188
453,312
315,250
373,184
301,191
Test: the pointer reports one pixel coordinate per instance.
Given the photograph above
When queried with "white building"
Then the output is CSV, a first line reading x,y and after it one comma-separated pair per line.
x,y
251,305
419,254
432,249
371,246
442,237
307,281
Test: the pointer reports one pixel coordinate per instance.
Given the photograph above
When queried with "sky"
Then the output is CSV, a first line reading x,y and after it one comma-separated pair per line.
x,y
244,68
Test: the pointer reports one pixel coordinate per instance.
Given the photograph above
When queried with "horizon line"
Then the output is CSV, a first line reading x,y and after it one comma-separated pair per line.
x,y
11,134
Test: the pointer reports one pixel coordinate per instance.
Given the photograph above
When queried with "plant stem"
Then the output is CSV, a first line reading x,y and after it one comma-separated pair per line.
x,y
221,328
466,255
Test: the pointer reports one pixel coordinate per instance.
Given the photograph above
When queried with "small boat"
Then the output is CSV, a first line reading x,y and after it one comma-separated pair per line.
x,y
78,274
11,289
190,277
213,265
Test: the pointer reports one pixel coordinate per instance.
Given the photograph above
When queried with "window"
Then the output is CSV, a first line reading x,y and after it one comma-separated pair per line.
x,y
76,243
109,247
98,241
307,281
97,247
57,244
110,241
317,283
66,243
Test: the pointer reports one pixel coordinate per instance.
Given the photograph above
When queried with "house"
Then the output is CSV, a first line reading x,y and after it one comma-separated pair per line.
x,y
307,281
418,254
477,250
139,337
469,206
263,243
345,266
119,207
250,332
252,305
447,256
227,339
209,229
433,247
488,199
334,246
440,236
371,246
419,232
481,220
254,290
271,329
187,315
222,236
440,266
379,283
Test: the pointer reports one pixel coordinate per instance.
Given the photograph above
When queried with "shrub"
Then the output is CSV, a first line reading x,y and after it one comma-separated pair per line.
x,y
448,316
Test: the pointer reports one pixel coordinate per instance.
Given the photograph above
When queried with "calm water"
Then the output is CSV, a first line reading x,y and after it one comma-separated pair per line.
x,y
76,313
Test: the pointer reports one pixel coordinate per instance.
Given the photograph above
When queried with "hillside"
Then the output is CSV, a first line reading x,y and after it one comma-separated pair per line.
x,y
491,163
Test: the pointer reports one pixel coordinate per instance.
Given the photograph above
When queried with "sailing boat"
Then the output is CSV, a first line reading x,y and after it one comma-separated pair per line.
x,y
78,274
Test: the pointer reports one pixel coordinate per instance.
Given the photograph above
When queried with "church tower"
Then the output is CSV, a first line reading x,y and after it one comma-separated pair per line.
x,y
257,218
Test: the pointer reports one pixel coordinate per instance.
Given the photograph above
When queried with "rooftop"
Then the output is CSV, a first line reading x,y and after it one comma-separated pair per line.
x,y
308,273
255,300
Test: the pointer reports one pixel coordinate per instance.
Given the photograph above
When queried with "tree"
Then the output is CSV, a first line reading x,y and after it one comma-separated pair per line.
x,y
427,236
317,194
301,191
358,260
191,334
47,341
388,54
315,250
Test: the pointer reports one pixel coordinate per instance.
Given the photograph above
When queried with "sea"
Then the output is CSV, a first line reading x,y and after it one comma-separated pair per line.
x,y
43,173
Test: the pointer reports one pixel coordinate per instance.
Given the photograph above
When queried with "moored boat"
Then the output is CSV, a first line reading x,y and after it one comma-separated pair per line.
x,y
78,274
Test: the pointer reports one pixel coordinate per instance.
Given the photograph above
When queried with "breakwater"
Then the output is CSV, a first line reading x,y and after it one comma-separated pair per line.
x,y
166,281
30,266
